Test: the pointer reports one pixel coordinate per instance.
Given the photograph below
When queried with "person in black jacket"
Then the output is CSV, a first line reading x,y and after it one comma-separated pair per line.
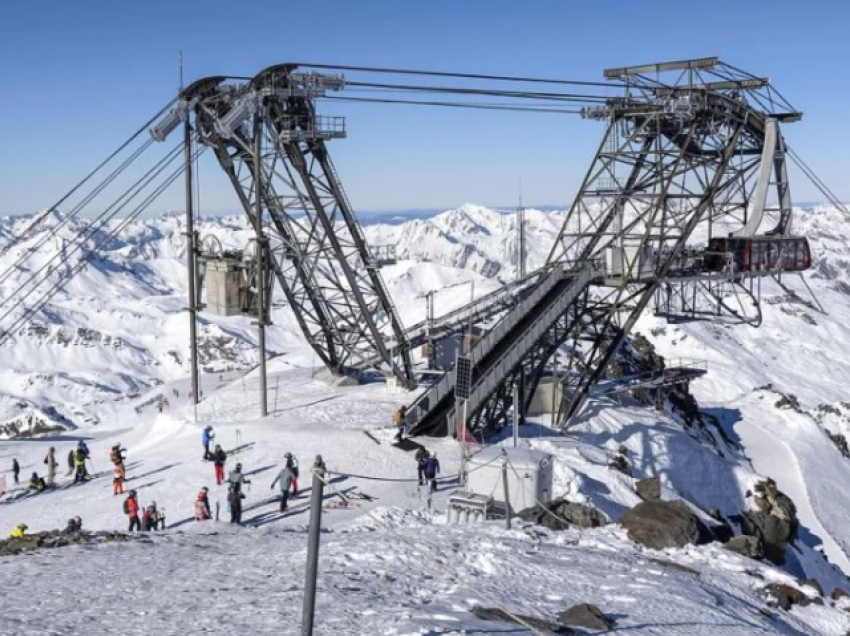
x,y
234,498
219,457
16,471
421,457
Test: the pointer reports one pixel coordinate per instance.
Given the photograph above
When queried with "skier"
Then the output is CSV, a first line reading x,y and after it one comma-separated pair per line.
x,y
117,457
292,464
36,484
149,519
219,457
237,478
131,509
157,517
422,456
207,436
83,447
202,505
234,498
71,465
80,465
118,481
16,470
19,531
51,462
432,469
284,477
74,526
400,421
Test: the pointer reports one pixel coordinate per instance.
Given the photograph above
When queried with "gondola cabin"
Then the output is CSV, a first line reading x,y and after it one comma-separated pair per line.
x,y
758,254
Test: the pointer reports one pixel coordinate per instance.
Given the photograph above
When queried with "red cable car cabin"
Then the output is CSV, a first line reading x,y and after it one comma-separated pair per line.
x,y
758,254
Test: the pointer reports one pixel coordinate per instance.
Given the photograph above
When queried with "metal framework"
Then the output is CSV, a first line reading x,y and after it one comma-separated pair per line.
x,y
681,160
271,144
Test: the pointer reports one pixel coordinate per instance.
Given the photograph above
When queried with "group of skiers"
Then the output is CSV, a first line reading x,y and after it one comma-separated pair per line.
x,y
152,518
76,464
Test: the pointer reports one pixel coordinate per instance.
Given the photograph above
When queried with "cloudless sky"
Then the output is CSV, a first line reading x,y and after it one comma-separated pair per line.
x,y
76,78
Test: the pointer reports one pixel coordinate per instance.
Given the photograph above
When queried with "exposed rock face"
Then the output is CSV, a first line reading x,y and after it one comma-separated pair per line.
x,y
649,489
560,514
664,524
747,546
495,614
587,616
620,462
56,539
774,522
786,596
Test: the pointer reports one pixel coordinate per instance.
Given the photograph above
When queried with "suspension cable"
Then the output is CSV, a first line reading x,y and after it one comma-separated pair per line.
x,y
65,278
85,179
499,78
99,222
477,106
567,97
817,181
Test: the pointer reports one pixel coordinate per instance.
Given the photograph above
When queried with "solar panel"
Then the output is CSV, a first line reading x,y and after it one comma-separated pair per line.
x,y
463,378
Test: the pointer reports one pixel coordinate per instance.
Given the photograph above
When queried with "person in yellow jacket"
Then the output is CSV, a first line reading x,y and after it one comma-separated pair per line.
x,y
19,531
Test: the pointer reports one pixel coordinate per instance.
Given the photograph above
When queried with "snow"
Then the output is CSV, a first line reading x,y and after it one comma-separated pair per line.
x,y
94,363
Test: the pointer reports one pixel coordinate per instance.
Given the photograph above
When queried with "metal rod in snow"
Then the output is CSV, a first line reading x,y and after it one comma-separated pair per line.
x,y
507,492
314,534
260,278
191,262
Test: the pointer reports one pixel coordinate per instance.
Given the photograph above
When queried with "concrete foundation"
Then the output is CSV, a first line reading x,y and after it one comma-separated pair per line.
x,y
225,286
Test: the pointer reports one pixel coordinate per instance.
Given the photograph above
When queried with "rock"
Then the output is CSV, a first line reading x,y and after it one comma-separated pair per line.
x,y
621,463
775,534
747,546
664,524
495,614
785,595
560,514
587,616
838,594
814,584
649,489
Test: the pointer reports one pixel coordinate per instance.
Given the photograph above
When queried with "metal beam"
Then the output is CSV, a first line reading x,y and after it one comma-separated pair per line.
x,y
659,67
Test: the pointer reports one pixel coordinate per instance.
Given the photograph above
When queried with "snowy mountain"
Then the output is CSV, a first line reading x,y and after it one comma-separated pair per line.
x,y
775,404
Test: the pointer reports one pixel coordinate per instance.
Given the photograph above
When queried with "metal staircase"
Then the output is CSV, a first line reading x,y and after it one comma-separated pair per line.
x,y
502,351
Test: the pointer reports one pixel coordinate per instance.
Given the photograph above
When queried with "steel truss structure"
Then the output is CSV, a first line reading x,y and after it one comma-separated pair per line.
x,y
681,160
270,142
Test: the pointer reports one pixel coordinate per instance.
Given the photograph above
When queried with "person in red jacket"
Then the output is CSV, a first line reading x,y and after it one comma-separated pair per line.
x,y
202,505
131,509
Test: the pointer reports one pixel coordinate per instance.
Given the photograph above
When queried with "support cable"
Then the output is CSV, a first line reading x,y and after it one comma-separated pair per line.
x,y
65,278
99,222
40,219
522,109
817,182
72,214
499,78
450,90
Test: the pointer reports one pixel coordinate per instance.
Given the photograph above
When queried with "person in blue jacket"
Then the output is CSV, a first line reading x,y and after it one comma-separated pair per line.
x,y
206,439
432,469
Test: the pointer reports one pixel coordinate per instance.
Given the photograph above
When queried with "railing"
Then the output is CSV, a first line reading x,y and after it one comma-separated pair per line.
x,y
294,128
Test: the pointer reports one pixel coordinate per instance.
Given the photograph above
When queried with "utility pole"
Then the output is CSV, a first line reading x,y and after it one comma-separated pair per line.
x,y
191,262
516,415
520,222
260,277
507,491
429,317
314,534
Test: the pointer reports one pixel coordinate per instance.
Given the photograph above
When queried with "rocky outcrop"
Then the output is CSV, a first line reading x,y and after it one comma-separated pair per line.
x,y
560,514
56,539
747,546
496,614
774,521
587,616
664,524
649,489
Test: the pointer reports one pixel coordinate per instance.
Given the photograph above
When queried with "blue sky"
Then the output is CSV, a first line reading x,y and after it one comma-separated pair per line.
x,y
79,77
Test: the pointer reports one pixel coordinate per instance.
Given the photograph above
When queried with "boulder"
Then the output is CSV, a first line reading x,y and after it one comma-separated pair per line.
x,y
747,546
786,596
495,614
649,489
560,514
664,524
587,616
620,463
775,533
838,594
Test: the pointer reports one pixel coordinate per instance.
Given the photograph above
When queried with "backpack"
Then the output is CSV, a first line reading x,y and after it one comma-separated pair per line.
x,y
126,506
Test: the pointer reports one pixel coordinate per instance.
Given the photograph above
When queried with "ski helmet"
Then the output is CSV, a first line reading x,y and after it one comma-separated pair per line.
x,y
288,455
238,466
